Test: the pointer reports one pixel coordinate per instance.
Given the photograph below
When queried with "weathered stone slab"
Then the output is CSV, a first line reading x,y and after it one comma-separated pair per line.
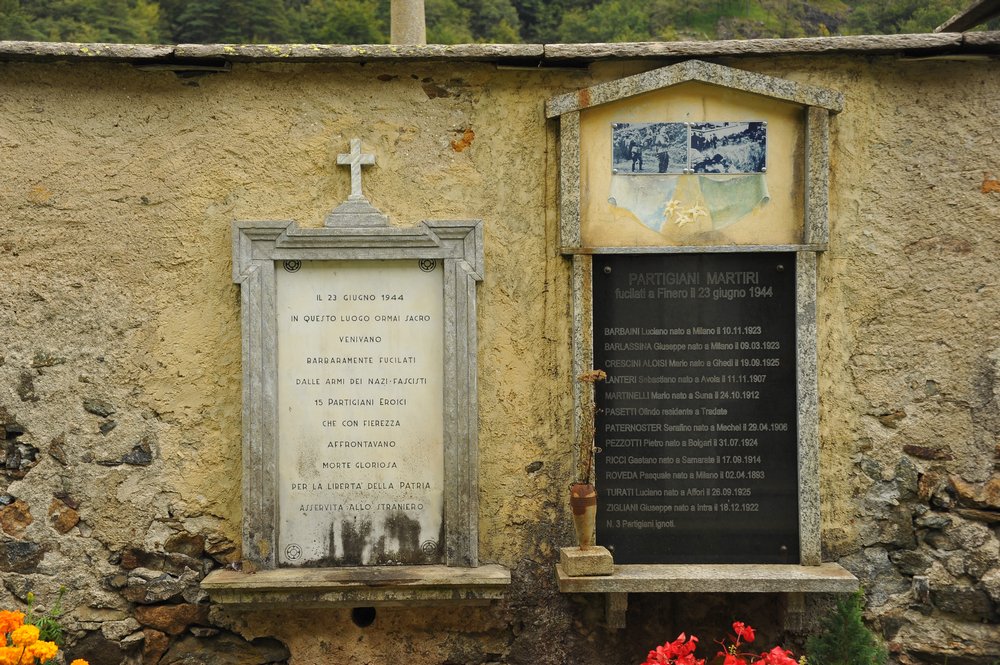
x,y
168,55
358,52
980,39
736,47
64,50
358,586
728,578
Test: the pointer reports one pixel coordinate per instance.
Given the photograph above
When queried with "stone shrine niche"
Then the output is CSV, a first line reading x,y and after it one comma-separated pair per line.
x,y
360,418
693,203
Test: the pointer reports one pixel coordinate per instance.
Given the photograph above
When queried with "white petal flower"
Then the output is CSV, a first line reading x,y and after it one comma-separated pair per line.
x,y
697,211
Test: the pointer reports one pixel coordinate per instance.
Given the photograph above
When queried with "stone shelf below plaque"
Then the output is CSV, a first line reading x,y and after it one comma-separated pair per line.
x,y
714,578
357,587
709,578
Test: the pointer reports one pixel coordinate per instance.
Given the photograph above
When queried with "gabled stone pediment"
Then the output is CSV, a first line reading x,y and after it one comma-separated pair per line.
x,y
696,71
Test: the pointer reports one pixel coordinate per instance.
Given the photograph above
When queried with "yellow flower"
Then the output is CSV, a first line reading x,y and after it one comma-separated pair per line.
x,y
10,655
43,651
10,621
79,661
24,636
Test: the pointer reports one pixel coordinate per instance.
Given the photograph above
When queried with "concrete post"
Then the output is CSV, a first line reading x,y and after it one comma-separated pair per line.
x,y
408,23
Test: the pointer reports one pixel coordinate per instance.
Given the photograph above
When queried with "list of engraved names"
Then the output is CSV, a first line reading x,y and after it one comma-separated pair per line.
x,y
360,411
697,419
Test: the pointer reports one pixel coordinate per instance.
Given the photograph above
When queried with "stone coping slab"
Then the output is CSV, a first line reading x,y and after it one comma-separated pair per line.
x,y
538,55
714,578
867,44
357,586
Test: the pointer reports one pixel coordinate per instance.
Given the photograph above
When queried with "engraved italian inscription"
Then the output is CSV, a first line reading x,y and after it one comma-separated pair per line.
x,y
697,420
360,413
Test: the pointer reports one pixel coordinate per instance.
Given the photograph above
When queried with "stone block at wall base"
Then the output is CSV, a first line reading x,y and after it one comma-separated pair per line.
x,y
594,560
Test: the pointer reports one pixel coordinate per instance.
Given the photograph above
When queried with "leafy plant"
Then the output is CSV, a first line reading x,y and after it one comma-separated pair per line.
x,y
49,628
845,639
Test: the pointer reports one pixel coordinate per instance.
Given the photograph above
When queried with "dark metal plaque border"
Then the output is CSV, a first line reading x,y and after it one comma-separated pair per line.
x,y
697,424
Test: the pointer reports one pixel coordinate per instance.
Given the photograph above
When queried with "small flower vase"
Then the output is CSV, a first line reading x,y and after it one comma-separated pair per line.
x,y
583,502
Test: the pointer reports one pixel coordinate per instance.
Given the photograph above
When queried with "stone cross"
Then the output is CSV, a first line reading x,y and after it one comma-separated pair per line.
x,y
356,211
356,159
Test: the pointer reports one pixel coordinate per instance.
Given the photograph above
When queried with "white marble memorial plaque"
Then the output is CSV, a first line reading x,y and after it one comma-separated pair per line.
x,y
360,412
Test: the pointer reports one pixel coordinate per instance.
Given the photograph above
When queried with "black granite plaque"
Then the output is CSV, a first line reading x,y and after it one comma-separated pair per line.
x,y
696,423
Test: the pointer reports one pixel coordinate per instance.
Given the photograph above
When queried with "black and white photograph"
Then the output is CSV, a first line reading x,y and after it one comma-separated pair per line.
x,y
728,147
649,147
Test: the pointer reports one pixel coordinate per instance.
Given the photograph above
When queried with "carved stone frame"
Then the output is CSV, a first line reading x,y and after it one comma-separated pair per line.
x,y
257,248
818,105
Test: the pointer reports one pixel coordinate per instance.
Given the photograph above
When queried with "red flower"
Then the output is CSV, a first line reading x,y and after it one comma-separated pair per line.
x,y
777,656
743,632
678,652
681,651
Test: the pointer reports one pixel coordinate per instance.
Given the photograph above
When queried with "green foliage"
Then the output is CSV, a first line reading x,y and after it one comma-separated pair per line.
x,y
342,22
901,16
80,20
447,23
148,24
494,21
231,21
608,21
49,628
461,21
16,23
844,639
199,20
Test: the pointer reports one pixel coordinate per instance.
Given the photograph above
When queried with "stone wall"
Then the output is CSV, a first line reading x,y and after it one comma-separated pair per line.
x,y
909,355
120,349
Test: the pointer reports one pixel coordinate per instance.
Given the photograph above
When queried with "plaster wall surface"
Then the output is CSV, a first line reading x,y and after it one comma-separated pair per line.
x,y
120,347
